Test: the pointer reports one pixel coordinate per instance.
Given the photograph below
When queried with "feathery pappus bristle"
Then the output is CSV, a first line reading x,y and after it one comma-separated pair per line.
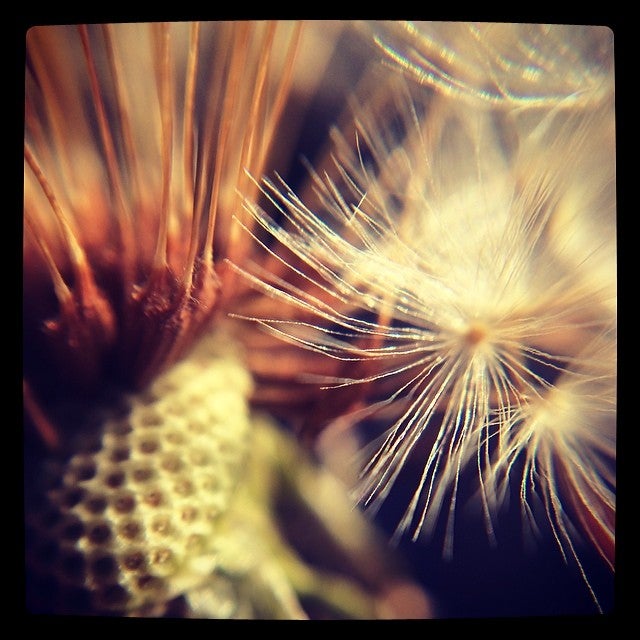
x,y
562,445
454,263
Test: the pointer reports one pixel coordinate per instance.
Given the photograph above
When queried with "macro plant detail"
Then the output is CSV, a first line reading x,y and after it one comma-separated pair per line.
x,y
458,262
155,514
152,486
435,296
157,185
504,65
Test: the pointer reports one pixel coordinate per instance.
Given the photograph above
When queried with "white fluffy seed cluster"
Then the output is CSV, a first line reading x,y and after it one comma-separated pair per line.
x,y
132,524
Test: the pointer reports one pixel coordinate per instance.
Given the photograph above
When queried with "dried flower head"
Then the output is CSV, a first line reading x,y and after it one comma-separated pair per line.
x,y
442,263
132,173
152,487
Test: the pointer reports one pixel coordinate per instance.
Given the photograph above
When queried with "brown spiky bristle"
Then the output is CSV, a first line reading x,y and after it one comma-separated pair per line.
x,y
132,176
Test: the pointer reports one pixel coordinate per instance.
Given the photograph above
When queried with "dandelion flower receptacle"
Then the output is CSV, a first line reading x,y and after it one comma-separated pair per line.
x,y
175,503
455,265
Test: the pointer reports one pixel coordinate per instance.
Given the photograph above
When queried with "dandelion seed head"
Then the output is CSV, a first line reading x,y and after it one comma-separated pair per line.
x,y
457,231
152,486
561,449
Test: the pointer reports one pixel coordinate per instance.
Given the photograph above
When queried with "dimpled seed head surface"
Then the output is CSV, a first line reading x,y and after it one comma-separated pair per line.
x,y
133,524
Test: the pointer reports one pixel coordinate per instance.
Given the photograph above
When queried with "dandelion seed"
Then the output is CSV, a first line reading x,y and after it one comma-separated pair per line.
x,y
426,262
567,439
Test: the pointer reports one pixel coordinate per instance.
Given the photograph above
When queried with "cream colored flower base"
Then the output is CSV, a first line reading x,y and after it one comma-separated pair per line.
x,y
179,500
